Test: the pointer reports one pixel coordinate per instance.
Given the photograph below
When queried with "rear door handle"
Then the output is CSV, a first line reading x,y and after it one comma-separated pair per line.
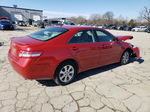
x,y
104,47
75,48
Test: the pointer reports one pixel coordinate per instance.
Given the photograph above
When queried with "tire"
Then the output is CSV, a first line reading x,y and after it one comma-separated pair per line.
x,y
125,58
12,28
65,73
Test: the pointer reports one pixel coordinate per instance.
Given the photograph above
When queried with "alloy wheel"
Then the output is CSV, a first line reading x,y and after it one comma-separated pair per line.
x,y
125,58
66,73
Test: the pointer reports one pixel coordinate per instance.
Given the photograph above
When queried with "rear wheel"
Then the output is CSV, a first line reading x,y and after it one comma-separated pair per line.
x,y
65,73
125,58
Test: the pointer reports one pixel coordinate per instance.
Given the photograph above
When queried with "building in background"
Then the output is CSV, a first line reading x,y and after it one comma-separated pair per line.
x,y
20,14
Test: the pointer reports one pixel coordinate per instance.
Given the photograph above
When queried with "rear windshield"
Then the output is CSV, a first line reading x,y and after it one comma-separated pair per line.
x,y
48,33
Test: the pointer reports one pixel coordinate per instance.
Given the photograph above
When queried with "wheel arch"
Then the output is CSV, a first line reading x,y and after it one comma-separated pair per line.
x,y
130,51
67,60
127,49
130,54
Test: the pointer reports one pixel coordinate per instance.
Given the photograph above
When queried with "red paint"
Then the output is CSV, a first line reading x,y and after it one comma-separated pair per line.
x,y
136,51
123,38
52,52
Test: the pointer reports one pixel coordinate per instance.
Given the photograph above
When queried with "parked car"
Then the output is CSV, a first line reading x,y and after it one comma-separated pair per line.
x,y
147,30
99,26
39,24
121,27
128,28
139,29
21,23
114,27
104,26
6,25
68,23
61,52
55,22
1,43
108,26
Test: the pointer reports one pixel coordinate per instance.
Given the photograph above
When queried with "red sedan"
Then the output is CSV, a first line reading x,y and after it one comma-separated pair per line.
x,y
61,52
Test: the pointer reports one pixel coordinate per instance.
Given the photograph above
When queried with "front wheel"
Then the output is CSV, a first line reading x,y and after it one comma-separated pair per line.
x,y
125,58
65,73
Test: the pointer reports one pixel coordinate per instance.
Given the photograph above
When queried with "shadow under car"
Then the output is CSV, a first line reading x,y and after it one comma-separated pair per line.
x,y
89,73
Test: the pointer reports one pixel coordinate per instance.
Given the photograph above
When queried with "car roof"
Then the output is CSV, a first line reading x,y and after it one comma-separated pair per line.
x,y
74,27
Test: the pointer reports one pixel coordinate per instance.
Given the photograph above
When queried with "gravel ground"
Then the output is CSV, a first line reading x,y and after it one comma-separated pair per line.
x,y
111,88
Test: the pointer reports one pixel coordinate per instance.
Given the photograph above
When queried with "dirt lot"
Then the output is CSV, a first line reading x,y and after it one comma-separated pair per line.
x,y
112,88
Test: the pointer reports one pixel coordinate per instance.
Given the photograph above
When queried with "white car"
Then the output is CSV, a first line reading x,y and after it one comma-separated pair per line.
x,y
139,29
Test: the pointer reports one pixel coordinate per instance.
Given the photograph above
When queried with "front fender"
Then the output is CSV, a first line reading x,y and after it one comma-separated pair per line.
x,y
136,52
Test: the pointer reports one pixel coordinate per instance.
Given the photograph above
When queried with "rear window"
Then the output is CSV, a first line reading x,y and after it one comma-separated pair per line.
x,y
48,33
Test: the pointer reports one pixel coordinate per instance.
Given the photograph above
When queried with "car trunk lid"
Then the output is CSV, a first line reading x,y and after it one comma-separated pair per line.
x,y
19,44
25,40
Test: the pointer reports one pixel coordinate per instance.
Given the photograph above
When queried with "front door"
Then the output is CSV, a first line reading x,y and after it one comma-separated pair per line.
x,y
109,49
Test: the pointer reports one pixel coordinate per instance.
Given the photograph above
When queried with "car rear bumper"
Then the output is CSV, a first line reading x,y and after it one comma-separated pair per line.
x,y
31,68
136,52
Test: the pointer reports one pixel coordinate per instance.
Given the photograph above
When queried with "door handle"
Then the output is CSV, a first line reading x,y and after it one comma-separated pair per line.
x,y
107,46
75,48
93,48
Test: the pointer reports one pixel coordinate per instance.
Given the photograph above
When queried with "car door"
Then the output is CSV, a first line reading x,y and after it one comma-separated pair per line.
x,y
83,49
109,49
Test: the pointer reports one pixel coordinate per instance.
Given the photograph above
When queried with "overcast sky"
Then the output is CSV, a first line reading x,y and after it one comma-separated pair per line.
x,y
68,8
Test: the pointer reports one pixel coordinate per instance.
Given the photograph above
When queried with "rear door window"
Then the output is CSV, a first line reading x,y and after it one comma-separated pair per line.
x,y
84,36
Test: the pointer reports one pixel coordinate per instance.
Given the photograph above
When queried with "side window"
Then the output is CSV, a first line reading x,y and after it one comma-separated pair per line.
x,y
102,36
85,36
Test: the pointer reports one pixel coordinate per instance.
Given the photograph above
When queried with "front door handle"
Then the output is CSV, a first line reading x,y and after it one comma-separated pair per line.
x,y
107,46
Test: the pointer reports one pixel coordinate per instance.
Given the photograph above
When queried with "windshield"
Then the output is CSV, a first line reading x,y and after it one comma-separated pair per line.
x,y
48,33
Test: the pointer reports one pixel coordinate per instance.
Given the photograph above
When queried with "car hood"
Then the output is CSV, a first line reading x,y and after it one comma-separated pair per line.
x,y
123,38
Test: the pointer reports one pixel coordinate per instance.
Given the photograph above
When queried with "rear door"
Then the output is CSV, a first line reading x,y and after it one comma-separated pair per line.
x,y
109,49
83,49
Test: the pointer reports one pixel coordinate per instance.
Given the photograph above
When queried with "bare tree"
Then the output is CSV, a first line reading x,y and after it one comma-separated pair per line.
x,y
95,19
145,14
132,22
108,17
78,20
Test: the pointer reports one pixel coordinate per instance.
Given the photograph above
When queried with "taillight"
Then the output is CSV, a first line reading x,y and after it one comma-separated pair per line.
x,y
29,54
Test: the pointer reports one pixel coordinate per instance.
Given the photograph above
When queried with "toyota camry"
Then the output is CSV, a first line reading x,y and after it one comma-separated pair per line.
x,y
61,52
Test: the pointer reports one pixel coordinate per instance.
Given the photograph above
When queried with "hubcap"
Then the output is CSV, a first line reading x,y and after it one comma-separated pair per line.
x,y
66,73
125,57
